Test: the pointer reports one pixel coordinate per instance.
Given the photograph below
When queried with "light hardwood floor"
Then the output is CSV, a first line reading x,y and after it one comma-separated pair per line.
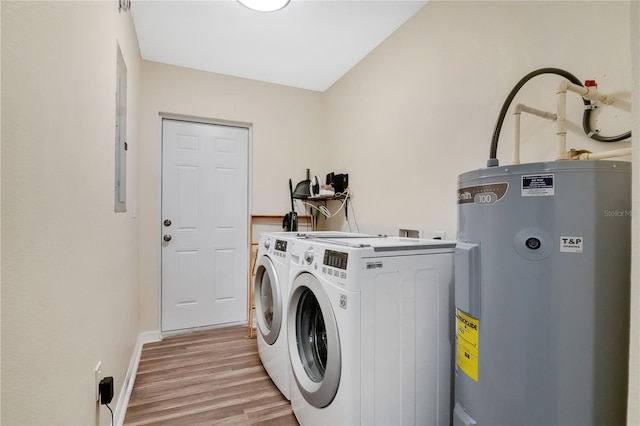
x,y
209,377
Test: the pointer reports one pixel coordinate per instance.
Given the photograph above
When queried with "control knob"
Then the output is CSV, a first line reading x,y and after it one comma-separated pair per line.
x,y
308,256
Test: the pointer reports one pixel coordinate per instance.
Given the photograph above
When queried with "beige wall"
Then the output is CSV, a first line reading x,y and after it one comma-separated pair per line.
x,y
287,137
0,220
404,123
421,108
69,263
634,361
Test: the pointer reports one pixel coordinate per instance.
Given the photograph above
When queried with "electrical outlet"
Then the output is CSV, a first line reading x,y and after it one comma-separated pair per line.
x,y
98,377
409,231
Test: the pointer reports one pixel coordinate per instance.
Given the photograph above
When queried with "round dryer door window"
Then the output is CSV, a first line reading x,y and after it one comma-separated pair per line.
x,y
311,335
267,300
315,351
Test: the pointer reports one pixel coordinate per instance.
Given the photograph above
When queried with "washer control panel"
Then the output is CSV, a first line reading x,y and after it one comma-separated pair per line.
x,y
335,263
336,259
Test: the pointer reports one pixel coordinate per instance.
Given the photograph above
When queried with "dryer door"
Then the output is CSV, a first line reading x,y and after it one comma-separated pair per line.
x,y
314,344
267,297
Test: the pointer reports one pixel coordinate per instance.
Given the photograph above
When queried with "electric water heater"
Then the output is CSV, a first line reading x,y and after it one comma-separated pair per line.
x,y
542,286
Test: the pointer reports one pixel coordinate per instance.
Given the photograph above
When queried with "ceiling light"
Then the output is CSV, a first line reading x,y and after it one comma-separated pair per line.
x,y
264,5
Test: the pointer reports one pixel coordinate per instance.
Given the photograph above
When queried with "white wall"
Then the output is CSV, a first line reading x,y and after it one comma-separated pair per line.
x,y
287,137
69,263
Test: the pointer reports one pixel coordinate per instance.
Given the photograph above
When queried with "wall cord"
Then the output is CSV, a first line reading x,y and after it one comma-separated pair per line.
x,y
107,405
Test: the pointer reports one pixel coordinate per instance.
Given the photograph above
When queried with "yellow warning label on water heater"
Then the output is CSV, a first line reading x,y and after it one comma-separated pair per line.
x,y
467,341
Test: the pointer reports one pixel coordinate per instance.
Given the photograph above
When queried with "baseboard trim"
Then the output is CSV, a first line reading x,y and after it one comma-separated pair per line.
x,y
127,385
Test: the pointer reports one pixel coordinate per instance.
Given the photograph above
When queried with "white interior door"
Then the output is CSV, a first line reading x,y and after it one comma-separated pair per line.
x,y
204,224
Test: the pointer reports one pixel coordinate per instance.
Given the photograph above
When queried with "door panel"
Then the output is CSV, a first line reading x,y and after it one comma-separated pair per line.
x,y
205,196
187,188
187,292
225,266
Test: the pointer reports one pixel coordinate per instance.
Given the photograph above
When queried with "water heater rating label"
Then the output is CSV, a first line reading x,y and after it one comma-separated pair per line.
x,y
571,244
486,194
467,337
538,185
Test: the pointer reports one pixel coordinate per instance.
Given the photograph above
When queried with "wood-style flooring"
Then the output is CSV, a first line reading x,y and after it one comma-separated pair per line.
x,y
211,377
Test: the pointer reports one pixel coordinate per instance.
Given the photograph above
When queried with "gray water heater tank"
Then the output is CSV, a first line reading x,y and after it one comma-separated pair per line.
x,y
542,291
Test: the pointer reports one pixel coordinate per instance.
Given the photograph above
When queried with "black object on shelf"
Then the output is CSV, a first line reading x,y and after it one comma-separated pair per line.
x,y
340,182
290,221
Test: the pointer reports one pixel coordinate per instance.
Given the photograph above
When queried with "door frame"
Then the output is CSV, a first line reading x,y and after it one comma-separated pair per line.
x,y
200,120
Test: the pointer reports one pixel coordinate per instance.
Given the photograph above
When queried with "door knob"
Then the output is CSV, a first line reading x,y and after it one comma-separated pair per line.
x,y
167,237
167,222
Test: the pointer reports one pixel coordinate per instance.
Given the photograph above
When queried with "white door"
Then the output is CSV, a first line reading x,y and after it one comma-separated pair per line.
x,y
204,224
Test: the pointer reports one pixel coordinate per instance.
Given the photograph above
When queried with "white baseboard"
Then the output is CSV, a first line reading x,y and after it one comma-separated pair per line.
x,y
127,385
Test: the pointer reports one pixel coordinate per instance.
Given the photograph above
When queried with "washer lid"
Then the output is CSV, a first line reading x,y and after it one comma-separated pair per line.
x,y
382,243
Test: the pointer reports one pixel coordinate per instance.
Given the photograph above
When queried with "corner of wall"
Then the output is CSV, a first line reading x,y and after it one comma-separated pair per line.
x,y
130,378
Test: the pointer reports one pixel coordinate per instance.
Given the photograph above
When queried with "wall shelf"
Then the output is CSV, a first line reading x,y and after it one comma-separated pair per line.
x,y
327,197
340,197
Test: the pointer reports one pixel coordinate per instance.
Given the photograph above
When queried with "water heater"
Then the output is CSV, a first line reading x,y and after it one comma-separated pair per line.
x,y
542,286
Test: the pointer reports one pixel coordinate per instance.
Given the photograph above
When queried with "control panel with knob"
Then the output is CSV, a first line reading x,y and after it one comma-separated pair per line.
x,y
308,255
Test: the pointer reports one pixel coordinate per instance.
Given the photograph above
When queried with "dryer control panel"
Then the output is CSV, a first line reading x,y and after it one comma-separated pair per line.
x,y
281,245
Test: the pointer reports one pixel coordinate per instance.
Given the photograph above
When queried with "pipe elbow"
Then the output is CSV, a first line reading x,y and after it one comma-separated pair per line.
x,y
563,87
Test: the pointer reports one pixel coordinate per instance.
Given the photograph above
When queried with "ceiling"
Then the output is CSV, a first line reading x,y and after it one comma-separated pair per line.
x,y
309,44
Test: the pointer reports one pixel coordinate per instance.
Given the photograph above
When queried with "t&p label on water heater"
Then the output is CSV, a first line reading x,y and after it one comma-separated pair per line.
x,y
571,244
538,185
467,344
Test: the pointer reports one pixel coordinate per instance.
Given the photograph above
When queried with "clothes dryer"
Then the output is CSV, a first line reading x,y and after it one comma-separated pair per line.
x,y
369,330
271,291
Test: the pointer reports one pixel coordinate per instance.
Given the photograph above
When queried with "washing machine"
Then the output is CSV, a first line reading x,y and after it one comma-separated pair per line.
x,y
271,290
370,330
